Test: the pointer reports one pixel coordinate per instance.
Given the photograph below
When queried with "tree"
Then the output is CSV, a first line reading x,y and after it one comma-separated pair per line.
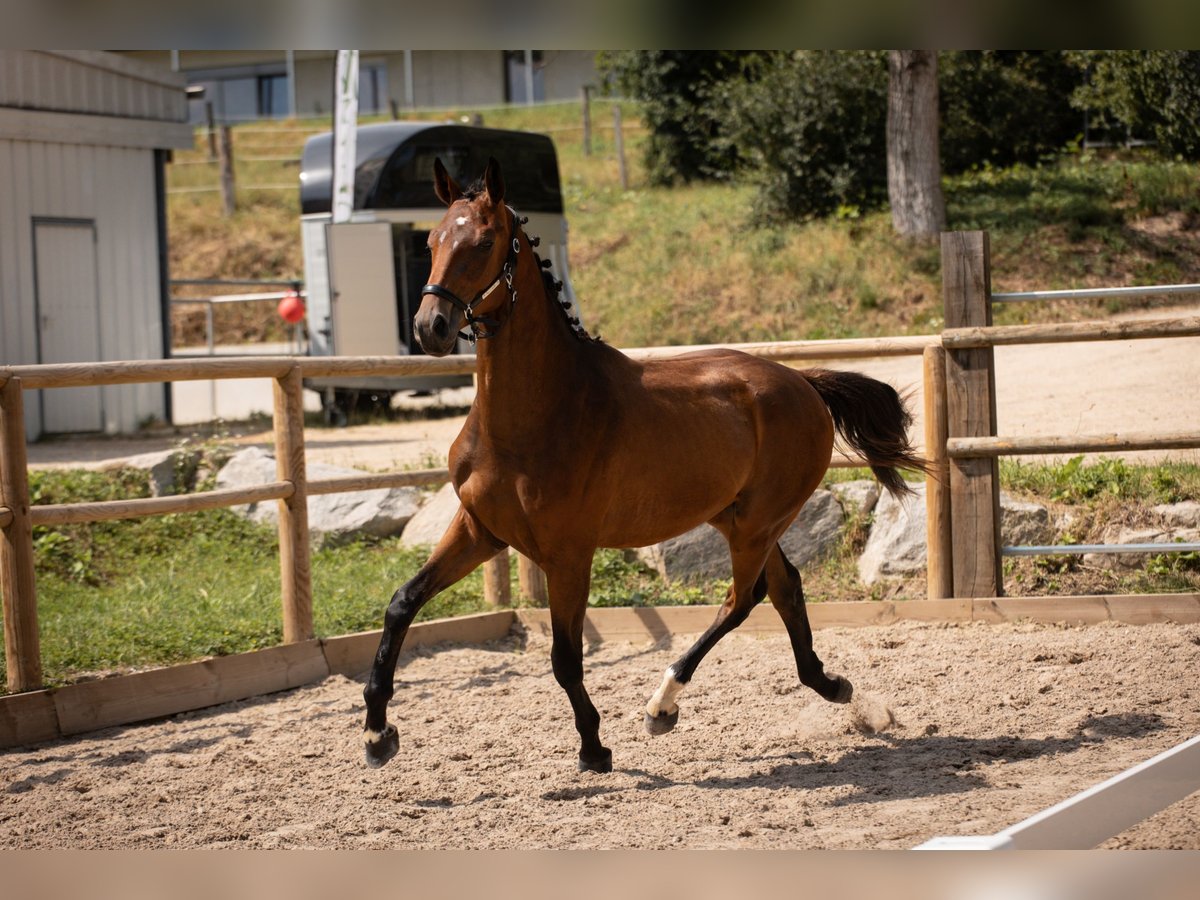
x,y
1151,93
914,172
675,88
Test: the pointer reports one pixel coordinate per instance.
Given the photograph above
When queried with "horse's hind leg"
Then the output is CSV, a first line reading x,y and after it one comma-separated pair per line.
x,y
748,588
464,546
787,595
568,585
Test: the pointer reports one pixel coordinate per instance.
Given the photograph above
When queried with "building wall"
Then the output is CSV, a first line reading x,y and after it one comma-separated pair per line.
x,y
90,81
115,188
441,78
564,72
78,132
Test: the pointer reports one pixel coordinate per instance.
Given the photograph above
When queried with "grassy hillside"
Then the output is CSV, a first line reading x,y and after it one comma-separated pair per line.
x,y
688,265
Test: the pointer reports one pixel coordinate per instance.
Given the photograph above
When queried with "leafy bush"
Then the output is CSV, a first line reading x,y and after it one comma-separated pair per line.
x,y
675,88
1000,107
1147,93
809,128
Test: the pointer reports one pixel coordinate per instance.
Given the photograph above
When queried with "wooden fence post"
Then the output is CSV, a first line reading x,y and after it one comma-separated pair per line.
x,y
937,482
225,164
295,567
211,123
497,589
532,581
619,138
971,412
21,641
586,90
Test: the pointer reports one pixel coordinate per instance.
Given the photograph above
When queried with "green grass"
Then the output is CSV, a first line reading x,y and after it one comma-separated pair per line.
x,y
690,264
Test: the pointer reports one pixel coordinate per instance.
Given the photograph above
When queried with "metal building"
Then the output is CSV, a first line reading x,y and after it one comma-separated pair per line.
x,y
84,136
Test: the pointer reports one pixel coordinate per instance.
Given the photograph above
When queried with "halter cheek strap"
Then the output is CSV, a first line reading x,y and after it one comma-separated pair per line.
x,y
491,325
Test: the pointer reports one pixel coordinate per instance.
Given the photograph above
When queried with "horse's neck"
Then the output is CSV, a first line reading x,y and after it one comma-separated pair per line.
x,y
533,368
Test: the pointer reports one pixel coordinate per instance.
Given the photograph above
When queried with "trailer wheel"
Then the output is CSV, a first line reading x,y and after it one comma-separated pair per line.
x,y
340,404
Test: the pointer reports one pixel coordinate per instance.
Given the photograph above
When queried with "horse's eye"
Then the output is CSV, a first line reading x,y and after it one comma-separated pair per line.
x,y
487,244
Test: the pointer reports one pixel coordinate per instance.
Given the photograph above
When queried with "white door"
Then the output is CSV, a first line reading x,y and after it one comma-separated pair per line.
x,y
68,318
362,280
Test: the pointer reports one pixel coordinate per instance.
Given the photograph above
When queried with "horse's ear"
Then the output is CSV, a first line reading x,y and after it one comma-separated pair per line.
x,y
444,186
494,181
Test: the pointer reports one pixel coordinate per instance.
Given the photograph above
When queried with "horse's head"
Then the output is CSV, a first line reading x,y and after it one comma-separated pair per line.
x,y
472,254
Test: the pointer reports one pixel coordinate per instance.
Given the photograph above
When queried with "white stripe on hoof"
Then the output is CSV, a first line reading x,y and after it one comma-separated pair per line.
x,y
372,737
663,701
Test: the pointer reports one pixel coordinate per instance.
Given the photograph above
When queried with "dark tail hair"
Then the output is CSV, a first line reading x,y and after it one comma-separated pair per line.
x,y
873,419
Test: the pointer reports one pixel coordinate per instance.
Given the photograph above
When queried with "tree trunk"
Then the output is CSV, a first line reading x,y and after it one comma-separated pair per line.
x,y
914,167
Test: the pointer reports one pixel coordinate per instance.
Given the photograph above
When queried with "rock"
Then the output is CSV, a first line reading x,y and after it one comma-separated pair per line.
x,y
896,544
863,494
1023,523
1123,534
816,530
331,517
703,554
1182,515
433,518
170,471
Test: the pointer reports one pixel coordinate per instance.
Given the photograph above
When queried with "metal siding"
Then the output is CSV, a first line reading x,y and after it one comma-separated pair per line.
x,y
68,307
45,80
115,187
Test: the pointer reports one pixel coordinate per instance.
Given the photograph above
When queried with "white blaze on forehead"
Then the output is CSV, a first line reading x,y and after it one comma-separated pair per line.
x,y
461,220
664,698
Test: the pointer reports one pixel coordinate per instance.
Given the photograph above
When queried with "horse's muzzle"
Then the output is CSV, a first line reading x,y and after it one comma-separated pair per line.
x,y
435,331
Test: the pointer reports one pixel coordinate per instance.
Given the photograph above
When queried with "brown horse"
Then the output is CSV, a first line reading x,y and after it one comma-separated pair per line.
x,y
571,445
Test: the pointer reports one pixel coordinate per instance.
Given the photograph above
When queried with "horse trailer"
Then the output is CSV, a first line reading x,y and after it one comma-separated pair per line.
x,y
364,276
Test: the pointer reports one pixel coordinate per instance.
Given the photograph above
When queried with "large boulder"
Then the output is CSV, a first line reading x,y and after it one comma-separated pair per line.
x,y
433,518
170,471
896,543
1123,534
1023,523
703,554
861,495
332,518
1180,515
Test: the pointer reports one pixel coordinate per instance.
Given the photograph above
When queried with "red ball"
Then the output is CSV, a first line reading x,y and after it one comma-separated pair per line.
x,y
291,308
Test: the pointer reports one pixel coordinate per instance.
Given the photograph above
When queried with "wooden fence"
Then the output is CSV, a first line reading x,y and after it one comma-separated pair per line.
x,y
962,499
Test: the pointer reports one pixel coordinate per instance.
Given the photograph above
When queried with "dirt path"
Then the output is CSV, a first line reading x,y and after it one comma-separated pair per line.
x,y
996,722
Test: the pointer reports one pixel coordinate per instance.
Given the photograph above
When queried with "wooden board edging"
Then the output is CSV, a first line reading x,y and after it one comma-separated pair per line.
x,y
351,655
653,623
39,716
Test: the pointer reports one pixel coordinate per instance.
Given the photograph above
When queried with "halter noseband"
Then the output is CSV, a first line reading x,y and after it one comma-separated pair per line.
x,y
492,325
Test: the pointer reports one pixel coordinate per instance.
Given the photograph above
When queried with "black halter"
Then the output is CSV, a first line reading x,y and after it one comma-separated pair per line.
x,y
492,325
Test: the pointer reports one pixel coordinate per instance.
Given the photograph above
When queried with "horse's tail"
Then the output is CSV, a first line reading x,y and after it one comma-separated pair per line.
x,y
873,419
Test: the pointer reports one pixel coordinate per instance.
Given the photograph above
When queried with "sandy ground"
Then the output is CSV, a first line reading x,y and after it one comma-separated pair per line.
x,y
994,724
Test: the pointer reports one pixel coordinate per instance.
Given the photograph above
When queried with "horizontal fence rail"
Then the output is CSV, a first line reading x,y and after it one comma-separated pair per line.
x,y
1010,335
1077,549
292,487
111,510
1150,290
967,448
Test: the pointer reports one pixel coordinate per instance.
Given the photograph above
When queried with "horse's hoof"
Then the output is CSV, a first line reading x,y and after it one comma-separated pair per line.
x,y
602,764
662,723
845,691
384,748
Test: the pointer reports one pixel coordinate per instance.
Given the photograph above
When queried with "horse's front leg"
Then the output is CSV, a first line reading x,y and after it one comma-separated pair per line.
x,y
568,584
465,545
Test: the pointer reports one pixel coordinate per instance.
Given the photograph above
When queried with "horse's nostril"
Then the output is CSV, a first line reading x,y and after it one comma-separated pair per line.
x,y
441,328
